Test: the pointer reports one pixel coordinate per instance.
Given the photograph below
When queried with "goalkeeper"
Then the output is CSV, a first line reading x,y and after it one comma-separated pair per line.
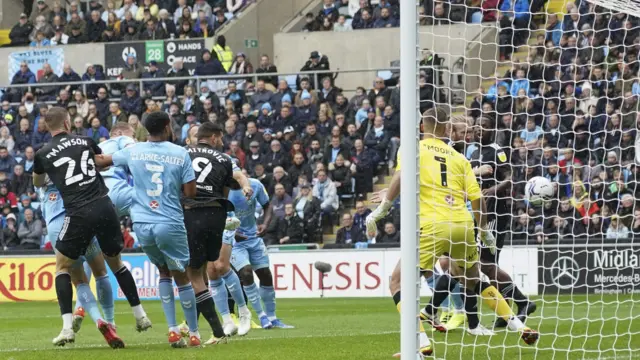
x,y
446,226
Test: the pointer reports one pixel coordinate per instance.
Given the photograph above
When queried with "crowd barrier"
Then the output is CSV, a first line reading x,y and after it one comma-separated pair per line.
x,y
597,268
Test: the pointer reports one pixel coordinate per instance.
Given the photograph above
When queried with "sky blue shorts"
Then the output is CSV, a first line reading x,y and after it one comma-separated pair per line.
x,y
250,252
164,244
120,193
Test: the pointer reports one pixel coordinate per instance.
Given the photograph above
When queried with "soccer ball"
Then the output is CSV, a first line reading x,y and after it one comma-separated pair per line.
x,y
538,190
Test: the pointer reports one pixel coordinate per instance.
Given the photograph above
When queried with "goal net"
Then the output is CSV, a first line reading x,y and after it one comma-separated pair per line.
x,y
544,88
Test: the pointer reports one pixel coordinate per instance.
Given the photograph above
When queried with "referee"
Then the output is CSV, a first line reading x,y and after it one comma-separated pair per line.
x,y
205,216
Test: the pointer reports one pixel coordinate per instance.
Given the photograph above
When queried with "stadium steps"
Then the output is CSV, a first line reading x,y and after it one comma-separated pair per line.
x,y
4,37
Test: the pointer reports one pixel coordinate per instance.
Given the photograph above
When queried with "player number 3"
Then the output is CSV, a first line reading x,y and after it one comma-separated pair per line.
x,y
87,167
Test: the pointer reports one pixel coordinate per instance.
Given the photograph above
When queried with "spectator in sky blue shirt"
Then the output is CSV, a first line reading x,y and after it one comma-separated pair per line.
x,y
531,134
493,90
520,82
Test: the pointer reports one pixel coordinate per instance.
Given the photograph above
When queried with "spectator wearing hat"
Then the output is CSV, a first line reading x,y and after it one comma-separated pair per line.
x,y
223,52
10,233
153,88
305,85
241,66
25,204
131,103
254,157
42,9
319,63
20,32
110,34
278,97
30,231
209,65
129,28
306,112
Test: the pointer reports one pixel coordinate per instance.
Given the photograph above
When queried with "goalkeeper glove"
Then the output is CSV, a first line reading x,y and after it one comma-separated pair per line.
x,y
487,238
377,214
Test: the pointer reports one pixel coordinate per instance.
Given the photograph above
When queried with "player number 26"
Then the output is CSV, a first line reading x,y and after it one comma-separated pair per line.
x,y
87,167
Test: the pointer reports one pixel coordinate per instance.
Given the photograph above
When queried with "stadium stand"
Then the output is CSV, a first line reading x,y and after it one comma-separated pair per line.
x,y
564,101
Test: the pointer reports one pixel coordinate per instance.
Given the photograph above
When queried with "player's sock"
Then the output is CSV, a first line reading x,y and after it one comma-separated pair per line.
x,y
219,293
456,297
189,306
89,302
64,292
423,339
232,281
470,301
165,287
492,297
231,302
207,308
268,295
509,290
105,298
128,287
431,283
87,273
443,286
254,298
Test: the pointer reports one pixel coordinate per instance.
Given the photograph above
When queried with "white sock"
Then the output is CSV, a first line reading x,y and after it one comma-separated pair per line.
x,y
244,310
138,311
175,329
272,318
194,333
227,318
261,314
515,324
67,321
423,340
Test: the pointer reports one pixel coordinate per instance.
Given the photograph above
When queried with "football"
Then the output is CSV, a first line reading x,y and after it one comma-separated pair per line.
x,y
538,190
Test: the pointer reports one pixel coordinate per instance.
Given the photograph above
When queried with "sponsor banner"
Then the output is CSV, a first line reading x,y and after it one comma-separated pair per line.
x,y
606,269
355,273
28,278
163,52
36,58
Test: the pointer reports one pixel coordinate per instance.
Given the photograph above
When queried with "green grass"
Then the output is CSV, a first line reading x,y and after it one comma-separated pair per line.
x,y
578,327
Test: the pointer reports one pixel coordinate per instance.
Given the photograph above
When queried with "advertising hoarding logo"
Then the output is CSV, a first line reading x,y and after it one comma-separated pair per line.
x,y
565,272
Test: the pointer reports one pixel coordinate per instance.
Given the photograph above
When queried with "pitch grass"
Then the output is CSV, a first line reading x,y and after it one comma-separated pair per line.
x,y
572,327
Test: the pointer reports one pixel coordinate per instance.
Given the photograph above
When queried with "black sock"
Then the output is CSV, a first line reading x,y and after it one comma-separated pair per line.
x,y
396,298
470,301
510,291
206,307
231,302
480,286
441,290
64,290
128,286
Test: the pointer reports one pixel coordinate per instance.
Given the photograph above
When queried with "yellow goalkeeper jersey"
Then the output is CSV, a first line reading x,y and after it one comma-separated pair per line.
x,y
446,183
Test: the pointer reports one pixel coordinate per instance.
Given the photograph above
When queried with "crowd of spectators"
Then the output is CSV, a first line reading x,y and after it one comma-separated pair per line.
x,y
80,22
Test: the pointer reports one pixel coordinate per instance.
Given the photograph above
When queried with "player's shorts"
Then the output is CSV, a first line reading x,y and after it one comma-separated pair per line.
x,y
97,219
498,226
53,230
205,226
120,193
455,239
164,244
250,252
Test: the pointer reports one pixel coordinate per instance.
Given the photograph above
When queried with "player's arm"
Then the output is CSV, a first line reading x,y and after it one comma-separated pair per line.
x,y
478,206
387,199
39,176
263,199
103,161
503,174
242,179
188,176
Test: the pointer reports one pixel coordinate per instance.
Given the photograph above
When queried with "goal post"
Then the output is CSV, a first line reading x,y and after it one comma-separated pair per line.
x,y
409,133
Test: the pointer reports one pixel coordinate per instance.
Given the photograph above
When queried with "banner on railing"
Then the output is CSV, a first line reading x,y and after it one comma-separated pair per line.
x,y
36,58
28,278
164,52
355,273
605,269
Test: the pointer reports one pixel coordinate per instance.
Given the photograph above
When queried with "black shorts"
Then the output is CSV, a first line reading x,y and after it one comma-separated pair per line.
x,y
205,226
98,219
498,226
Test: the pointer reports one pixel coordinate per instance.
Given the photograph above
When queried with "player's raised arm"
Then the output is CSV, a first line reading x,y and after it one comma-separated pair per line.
x,y
478,207
39,175
103,161
386,203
